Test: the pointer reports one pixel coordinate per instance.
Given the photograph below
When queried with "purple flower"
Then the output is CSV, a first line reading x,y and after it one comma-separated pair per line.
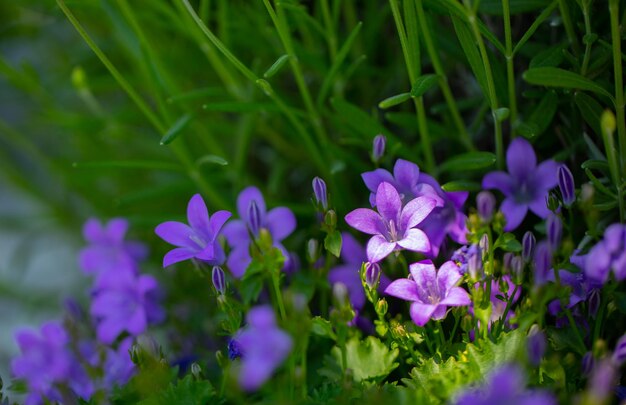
x,y
46,362
505,386
127,306
528,246
543,263
197,240
118,367
525,186
602,380
280,222
619,354
468,258
447,219
262,346
108,253
431,292
608,254
536,345
485,204
393,227
353,256
218,279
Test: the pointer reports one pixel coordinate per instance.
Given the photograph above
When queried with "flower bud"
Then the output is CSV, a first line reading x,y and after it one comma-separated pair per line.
x,y
219,281
378,147
594,302
485,203
254,217
319,191
234,349
330,219
312,250
554,228
381,307
566,185
483,244
552,202
506,262
196,371
475,265
536,345
340,292
517,270
587,363
372,275
586,193
619,354
528,246
543,263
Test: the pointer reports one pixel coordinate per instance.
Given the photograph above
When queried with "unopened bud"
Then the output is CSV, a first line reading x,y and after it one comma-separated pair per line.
x,y
330,219
475,265
528,246
219,281
320,193
340,292
517,270
506,262
619,354
566,185
552,202
587,363
381,307
312,250
378,147
254,218
554,228
536,345
485,203
196,371
483,244
372,275
543,263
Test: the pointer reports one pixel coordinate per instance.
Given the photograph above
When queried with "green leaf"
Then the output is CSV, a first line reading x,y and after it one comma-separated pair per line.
x,y
468,161
423,84
461,185
590,110
276,66
556,77
508,243
239,107
466,39
551,57
332,243
533,27
485,355
211,159
359,120
494,7
502,114
394,100
368,359
128,164
187,391
541,116
322,327
595,164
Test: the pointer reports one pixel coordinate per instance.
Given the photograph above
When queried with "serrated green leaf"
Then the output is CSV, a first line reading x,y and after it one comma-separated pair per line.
x,y
468,161
394,100
368,359
176,129
485,355
423,84
332,243
556,77
188,391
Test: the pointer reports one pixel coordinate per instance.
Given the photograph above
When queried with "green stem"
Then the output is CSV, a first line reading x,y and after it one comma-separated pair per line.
x,y
569,26
569,316
457,321
509,303
619,83
442,337
330,30
584,5
279,295
491,88
510,71
443,81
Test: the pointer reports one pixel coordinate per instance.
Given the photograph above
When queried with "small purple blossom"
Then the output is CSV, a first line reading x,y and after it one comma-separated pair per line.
x,y
447,218
566,185
505,386
262,346
464,255
431,292
197,240
525,186
608,255
118,366
280,222
393,227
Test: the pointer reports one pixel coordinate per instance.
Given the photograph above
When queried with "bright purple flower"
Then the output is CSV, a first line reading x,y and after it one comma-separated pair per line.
x,y
197,240
525,186
127,306
378,147
566,185
393,227
353,256
467,257
447,219
505,386
608,255
262,346
47,362
430,291
280,222
108,253
118,367
485,204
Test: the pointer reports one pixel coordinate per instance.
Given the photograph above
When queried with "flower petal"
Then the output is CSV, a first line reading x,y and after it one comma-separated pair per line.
x,y
421,313
198,215
378,248
406,173
415,240
415,211
422,269
176,233
177,255
500,181
350,277
456,297
440,312
540,207
513,212
238,261
281,222
458,198
351,250
388,202
373,179
546,175
365,220
92,230
236,233
403,288
244,199
425,277
217,221
447,276
520,158
116,229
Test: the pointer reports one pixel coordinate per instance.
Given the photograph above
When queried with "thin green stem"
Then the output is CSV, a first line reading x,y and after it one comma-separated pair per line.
x,y
569,26
330,29
443,81
619,83
569,316
584,6
510,71
442,337
279,295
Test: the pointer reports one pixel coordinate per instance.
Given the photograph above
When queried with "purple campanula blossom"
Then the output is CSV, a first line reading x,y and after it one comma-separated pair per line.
x,y
608,255
280,222
378,147
262,347
393,227
528,246
485,204
197,240
353,256
505,385
431,292
446,219
320,193
566,185
464,257
525,186
108,254
619,354
46,362
129,305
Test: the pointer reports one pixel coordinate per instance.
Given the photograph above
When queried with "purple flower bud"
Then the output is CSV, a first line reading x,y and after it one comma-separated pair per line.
x,y
602,381
619,354
536,345
319,190
485,202
507,260
528,246
372,274
219,282
554,228
594,302
254,218
517,270
234,349
566,185
378,148
475,265
483,244
587,363
543,263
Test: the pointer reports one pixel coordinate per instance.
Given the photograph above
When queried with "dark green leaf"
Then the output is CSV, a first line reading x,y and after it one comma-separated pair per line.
x,y
322,327
551,57
466,39
276,66
590,110
394,100
423,84
368,359
541,116
595,164
332,243
468,161
176,129
461,185
556,77
211,159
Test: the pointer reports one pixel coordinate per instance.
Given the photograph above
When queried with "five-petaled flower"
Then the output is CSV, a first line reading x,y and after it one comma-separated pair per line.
x,y
430,291
199,239
393,227
525,186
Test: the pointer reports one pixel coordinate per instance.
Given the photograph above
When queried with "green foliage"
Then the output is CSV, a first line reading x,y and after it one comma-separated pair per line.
x,y
186,391
368,359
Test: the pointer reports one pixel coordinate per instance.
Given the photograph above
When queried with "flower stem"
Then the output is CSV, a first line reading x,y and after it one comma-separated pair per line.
x,y
569,26
619,84
584,6
279,295
442,338
510,71
569,316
